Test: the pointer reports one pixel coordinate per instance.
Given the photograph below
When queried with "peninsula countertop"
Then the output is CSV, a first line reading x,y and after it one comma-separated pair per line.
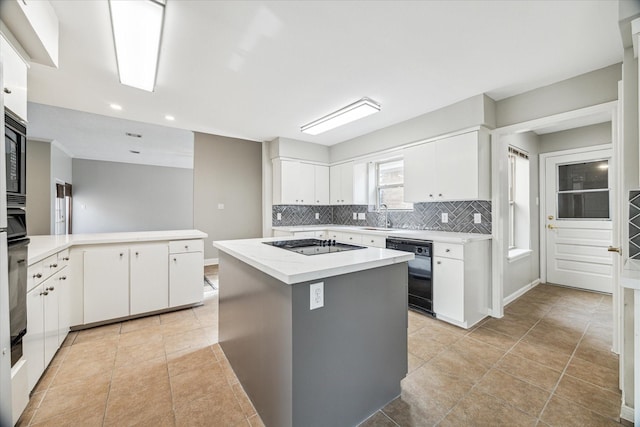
x,y
291,267
435,236
43,246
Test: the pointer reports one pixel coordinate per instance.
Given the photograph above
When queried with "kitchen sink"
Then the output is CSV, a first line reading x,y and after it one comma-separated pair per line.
x,y
375,228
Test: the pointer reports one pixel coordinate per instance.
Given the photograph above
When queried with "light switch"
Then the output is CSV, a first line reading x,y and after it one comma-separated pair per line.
x,y
477,218
317,215
445,217
220,205
279,216
355,215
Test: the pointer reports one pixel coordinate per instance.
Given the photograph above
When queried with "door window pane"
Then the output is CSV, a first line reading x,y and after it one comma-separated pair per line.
x,y
583,205
584,176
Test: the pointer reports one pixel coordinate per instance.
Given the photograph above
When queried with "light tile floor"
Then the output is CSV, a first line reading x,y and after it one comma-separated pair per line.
x,y
547,362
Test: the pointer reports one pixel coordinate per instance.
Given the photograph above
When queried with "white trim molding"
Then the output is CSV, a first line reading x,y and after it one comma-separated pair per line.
x,y
517,294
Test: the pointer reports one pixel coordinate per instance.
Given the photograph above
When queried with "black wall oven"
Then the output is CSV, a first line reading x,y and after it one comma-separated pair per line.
x,y
15,146
420,272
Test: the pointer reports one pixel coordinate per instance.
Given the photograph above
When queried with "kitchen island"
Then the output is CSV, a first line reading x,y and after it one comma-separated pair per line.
x,y
327,366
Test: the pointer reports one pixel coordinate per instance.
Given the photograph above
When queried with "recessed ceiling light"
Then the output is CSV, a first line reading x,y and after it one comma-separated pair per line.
x,y
134,135
134,152
116,107
170,118
350,113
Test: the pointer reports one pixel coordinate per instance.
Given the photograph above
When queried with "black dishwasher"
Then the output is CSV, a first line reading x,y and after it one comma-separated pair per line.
x,y
420,268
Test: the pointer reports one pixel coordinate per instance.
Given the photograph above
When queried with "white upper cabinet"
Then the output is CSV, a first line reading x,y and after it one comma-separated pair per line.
x,y
14,80
299,183
341,184
454,168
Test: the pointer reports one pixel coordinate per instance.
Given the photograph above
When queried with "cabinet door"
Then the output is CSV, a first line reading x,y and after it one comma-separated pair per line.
x,y
51,311
288,178
419,173
448,288
334,185
149,278
321,185
106,283
346,183
306,180
457,167
33,341
186,278
63,287
15,80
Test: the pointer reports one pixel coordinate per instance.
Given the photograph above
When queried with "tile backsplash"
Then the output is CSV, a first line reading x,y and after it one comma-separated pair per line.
x,y
634,224
424,216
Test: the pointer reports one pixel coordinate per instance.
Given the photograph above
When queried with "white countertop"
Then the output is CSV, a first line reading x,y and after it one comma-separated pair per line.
x,y
291,267
631,274
41,247
435,236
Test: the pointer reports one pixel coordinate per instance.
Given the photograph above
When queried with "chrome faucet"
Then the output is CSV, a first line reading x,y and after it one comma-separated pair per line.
x,y
387,223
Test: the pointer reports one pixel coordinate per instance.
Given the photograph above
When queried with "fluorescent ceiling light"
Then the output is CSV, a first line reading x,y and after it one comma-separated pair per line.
x,y
137,31
350,113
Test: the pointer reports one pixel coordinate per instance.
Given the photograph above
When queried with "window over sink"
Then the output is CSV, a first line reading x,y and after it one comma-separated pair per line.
x,y
390,185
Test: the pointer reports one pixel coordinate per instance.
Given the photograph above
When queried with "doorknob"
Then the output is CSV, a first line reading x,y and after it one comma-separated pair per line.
x,y
550,217
550,227
612,249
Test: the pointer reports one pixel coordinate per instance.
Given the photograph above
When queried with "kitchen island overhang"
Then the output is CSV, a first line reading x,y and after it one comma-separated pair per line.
x,y
334,365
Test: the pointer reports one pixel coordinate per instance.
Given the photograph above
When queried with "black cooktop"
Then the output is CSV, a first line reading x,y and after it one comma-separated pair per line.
x,y
313,246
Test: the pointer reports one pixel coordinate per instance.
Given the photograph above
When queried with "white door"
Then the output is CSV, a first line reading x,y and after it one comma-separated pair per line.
x,y
578,220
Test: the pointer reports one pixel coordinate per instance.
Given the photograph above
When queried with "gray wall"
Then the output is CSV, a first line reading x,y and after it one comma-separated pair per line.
x,y
576,138
113,197
588,89
227,171
38,187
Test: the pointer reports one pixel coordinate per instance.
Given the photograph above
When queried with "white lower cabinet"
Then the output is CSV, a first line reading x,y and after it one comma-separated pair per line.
x,y
461,281
106,283
186,278
149,278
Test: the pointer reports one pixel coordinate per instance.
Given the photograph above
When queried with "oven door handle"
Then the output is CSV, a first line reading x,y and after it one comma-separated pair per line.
x,y
17,338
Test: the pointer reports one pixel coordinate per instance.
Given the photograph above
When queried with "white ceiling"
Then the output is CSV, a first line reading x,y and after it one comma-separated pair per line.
x,y
260,69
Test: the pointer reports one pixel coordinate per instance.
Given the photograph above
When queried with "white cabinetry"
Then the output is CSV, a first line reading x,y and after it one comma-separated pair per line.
x,y
15,79
461,280
106,283
341,184
454,168
299,183
186,269
149,276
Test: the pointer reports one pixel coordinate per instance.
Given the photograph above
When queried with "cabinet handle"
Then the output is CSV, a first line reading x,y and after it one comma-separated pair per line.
x,y
37,276
371,241
438,262
65,258
50,289
175,259
121,254
45,293
53,265
430,195
7,91
186,246
440,195
317,201
63,278
137,253
447,250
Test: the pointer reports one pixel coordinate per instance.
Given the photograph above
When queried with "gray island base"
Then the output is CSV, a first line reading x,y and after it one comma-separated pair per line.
x,y
331,366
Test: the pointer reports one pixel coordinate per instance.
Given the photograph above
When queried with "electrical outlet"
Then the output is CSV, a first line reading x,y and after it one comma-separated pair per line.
x,y
278,216
445,217
355,215
317,215
477,218
362,216
316,295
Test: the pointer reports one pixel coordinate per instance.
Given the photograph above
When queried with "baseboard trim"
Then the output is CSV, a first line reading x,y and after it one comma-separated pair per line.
x,y
211,261
627,413
517,294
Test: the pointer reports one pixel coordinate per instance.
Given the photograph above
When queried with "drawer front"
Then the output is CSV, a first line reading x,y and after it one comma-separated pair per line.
x,y
335,235
51,265
448,250
63,258
183,246
375,241
34,275
353,238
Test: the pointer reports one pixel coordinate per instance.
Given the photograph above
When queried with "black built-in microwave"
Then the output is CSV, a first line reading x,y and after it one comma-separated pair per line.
x,y
15,144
